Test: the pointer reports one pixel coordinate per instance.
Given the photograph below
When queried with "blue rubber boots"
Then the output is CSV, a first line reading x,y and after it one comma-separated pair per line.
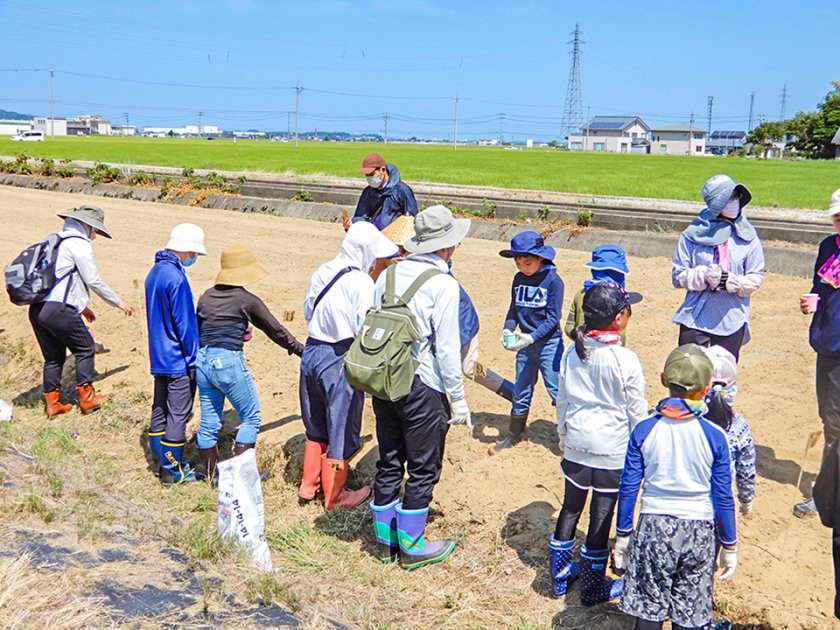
x,y
562,566
400,534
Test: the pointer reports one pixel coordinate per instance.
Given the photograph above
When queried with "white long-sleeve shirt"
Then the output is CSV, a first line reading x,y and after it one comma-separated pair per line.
x,y
598,403
78,253
341,312
435,307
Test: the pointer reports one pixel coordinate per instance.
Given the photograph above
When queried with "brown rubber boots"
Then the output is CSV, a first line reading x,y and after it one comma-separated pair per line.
x,y
88,400
333,478
54,406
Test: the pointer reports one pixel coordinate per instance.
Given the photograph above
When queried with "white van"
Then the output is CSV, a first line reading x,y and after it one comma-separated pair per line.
x,y
29,136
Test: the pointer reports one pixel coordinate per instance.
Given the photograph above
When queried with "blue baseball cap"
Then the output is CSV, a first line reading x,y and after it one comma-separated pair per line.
x,y
528,243
611,257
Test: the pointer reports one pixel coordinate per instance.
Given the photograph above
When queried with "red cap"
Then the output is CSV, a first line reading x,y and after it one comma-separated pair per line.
x,y
372,162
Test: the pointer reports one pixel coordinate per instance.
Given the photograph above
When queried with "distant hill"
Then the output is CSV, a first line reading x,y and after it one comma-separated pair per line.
x,y
7,115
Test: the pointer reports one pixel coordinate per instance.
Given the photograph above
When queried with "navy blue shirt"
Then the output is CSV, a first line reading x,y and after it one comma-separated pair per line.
x,y
382,206
825,326
535,303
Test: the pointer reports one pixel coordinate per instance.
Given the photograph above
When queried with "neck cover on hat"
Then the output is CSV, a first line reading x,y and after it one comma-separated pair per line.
x,y
708,229
600,275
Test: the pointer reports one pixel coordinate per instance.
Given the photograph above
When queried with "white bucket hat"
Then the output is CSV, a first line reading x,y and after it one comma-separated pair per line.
x,y
435,229
187,237
834,206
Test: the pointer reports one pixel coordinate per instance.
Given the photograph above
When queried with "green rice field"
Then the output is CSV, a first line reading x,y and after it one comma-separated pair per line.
x,y
786,184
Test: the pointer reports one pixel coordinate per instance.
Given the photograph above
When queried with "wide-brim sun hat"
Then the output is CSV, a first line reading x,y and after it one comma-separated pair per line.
x,y
724,365
528,243
399,230
187,237
609,257
89,215
240,267
717,191
834,206
434,229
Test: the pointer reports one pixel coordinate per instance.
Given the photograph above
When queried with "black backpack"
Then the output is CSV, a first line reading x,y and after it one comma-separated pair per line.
x,y
31,275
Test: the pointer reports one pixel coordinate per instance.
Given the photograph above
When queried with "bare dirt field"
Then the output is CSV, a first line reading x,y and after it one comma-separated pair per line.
x,y
501,509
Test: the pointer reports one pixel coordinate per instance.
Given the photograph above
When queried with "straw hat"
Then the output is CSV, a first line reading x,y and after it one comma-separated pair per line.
x,y
400,230
240,267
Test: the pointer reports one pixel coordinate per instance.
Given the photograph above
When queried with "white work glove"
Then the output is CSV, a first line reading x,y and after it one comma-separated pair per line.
x,y
744,286
713,276
746,508
694,279
728,562
461,413
522,341
621,553
561,435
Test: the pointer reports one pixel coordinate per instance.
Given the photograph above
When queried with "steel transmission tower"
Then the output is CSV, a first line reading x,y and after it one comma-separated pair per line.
x,y
752,106
710,102
784,97
573,110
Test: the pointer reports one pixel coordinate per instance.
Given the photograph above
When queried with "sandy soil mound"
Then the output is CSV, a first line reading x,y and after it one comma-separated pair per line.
x,y
506,503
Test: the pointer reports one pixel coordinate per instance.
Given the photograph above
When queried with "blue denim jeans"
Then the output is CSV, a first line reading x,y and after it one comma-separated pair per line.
x,y
540,357
222,374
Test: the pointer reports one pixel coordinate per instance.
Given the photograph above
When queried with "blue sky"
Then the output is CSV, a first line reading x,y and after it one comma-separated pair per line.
x,y
235,61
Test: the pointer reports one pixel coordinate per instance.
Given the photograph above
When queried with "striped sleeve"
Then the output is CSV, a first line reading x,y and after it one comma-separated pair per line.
x,y
721,483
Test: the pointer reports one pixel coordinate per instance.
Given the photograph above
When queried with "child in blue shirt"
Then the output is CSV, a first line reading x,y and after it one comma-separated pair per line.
x,y
535,305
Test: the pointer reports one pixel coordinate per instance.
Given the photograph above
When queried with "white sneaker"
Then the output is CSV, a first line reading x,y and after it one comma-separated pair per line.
x,y
805,509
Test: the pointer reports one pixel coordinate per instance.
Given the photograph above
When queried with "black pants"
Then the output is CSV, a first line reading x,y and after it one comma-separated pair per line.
x,y
411,433
58,327
828,396
601,510
172,406
731,342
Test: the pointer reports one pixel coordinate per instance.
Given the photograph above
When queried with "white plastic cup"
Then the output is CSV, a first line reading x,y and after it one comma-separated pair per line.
x,y
811,301
508,340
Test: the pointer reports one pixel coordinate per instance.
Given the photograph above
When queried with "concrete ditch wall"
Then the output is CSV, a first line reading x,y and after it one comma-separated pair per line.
x,y
791,261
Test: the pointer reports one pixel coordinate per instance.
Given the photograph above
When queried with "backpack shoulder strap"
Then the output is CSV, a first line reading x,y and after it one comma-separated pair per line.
x,y
330,286
419,282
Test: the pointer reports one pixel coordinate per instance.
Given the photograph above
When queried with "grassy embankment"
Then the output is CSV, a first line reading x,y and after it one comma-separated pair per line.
x,y
806,184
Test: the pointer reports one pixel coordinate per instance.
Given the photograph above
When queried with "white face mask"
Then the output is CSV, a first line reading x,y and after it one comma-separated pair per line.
x,y
374,181
731,209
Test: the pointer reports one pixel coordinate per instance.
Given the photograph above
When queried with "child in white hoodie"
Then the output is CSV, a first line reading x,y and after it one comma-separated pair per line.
x,y
600,398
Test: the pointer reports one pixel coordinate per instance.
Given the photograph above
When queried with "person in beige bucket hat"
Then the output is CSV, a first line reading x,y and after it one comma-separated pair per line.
x,y
412,430
57,320
224,313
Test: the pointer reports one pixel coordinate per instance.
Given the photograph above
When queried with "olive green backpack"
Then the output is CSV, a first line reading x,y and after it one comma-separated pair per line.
x,y
379,361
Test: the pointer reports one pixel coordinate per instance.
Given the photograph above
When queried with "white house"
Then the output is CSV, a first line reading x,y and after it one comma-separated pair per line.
x,y
610,134
56,127
678,140
123,130
722,142
12,127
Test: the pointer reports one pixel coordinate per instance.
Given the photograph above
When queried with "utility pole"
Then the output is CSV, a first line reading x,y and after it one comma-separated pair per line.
x,y
288,125
386,127
200,115
52,102
456,123
783,113
297,110
710,101
586,131
501,129
752,106
690,132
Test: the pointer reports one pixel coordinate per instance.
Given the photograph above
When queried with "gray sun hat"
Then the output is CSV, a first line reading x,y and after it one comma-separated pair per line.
x,y
89,215
718,190
436,229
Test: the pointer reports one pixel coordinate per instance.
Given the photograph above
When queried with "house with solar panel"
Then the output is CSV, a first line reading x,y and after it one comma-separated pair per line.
x,y
678,139
723,142
612,134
